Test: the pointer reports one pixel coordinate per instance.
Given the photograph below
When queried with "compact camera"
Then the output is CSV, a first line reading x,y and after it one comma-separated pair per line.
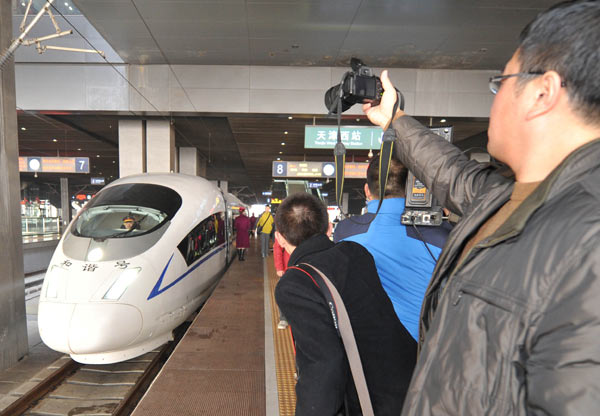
x,y
357,86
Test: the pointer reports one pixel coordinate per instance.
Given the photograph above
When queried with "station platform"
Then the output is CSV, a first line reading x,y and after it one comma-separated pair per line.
x,y
232,360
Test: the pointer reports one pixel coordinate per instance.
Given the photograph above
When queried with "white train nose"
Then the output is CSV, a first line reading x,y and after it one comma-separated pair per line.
x,y
88,328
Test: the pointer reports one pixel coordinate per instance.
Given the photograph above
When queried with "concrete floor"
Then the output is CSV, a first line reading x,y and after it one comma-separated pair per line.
x,y
36,361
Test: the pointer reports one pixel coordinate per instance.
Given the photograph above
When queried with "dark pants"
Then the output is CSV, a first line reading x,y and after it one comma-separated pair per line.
x,y
264,244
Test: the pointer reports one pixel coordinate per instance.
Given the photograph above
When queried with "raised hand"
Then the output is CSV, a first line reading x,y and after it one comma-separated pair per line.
x,y
381,114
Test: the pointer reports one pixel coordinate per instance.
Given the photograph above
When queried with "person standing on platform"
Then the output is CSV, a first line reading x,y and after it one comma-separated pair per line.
x,y
510,322
405,256
387,351
281,258
252,223
264,226
242,239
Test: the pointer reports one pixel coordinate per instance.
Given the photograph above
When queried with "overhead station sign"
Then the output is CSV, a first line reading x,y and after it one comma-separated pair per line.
x,y
353,137
287,169
44,164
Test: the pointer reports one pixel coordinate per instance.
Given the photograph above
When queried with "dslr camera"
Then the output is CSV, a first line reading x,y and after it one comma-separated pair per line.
x,y
358,86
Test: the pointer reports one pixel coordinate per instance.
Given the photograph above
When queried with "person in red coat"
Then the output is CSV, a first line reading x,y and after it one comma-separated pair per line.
x,y
281,259
242,239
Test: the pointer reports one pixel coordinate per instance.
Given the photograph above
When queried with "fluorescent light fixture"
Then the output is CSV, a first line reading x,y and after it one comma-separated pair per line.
x,y
125,279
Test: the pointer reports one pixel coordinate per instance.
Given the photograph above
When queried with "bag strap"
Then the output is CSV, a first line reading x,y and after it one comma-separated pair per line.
x,y
341,321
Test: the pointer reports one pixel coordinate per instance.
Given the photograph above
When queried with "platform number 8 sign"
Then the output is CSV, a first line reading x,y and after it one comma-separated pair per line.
x,y
279,168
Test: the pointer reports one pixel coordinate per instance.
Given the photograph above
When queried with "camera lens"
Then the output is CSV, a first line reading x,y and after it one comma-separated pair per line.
x,y
331,97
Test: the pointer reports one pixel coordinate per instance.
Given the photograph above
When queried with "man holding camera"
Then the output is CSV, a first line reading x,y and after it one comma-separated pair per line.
x,y
511,320
325,385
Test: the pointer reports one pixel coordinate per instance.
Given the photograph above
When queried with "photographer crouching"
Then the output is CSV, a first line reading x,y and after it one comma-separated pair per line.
x,y
325,386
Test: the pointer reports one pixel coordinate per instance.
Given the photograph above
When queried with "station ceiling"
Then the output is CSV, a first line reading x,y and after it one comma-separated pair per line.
x,y
448,34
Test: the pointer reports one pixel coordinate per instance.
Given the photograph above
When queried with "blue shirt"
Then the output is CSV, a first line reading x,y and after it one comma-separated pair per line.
x,y
403,263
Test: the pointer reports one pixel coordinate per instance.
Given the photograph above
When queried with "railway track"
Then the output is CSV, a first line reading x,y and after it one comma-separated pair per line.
x,y
70,388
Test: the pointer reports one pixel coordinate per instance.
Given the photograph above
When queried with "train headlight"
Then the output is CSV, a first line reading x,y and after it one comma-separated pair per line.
x,y
95,254
126,278
52,283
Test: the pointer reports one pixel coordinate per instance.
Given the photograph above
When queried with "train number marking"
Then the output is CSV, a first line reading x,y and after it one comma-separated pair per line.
x,y
90,267
122,264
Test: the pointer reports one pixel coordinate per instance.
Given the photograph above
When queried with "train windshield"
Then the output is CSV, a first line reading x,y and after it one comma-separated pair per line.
x,y
128,210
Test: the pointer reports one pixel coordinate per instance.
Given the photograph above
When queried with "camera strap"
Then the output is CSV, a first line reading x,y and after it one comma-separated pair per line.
x,y
341,322
387,148
386,151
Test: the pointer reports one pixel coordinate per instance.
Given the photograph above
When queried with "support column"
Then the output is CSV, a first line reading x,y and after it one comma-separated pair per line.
x,y
345,201
132,147
221,185
13,323
65,206
189,161
160,146
202,168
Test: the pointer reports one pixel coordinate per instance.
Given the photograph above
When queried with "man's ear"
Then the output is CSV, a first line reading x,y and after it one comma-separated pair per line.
x,y
546,93
368,192
280,239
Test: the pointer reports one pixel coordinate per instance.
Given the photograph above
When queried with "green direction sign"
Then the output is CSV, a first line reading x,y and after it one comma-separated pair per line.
x,y
353,137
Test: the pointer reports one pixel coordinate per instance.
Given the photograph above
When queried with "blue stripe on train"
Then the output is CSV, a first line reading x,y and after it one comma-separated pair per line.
x,y
157,290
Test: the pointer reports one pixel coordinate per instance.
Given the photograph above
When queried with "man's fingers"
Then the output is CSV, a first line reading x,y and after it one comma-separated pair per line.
x,y
385,81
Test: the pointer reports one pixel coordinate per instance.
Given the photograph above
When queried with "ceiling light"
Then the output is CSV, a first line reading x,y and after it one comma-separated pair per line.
x,y
278,158
97,155
79,149
54,140
280,153
23,4
358,119
443,120
114,161
290,117
285,132
70,8
66,4
23,128
283,143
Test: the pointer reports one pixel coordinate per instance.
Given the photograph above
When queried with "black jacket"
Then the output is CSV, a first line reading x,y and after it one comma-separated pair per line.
x,y
514,329
387,350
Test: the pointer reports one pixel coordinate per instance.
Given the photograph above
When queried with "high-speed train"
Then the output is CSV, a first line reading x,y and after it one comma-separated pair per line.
x,y
137,260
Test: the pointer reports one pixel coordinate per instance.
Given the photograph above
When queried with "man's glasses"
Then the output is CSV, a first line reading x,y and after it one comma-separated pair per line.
x,y
496,82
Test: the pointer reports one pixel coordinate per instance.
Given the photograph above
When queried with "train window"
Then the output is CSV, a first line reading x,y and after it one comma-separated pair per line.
x,y
126,211
204,237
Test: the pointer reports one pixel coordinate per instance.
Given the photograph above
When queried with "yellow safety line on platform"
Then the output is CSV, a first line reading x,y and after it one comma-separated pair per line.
x,y
285,362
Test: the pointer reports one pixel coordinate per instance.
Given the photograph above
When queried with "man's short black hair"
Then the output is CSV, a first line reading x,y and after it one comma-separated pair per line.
x,y
301,216
566,39
396,183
